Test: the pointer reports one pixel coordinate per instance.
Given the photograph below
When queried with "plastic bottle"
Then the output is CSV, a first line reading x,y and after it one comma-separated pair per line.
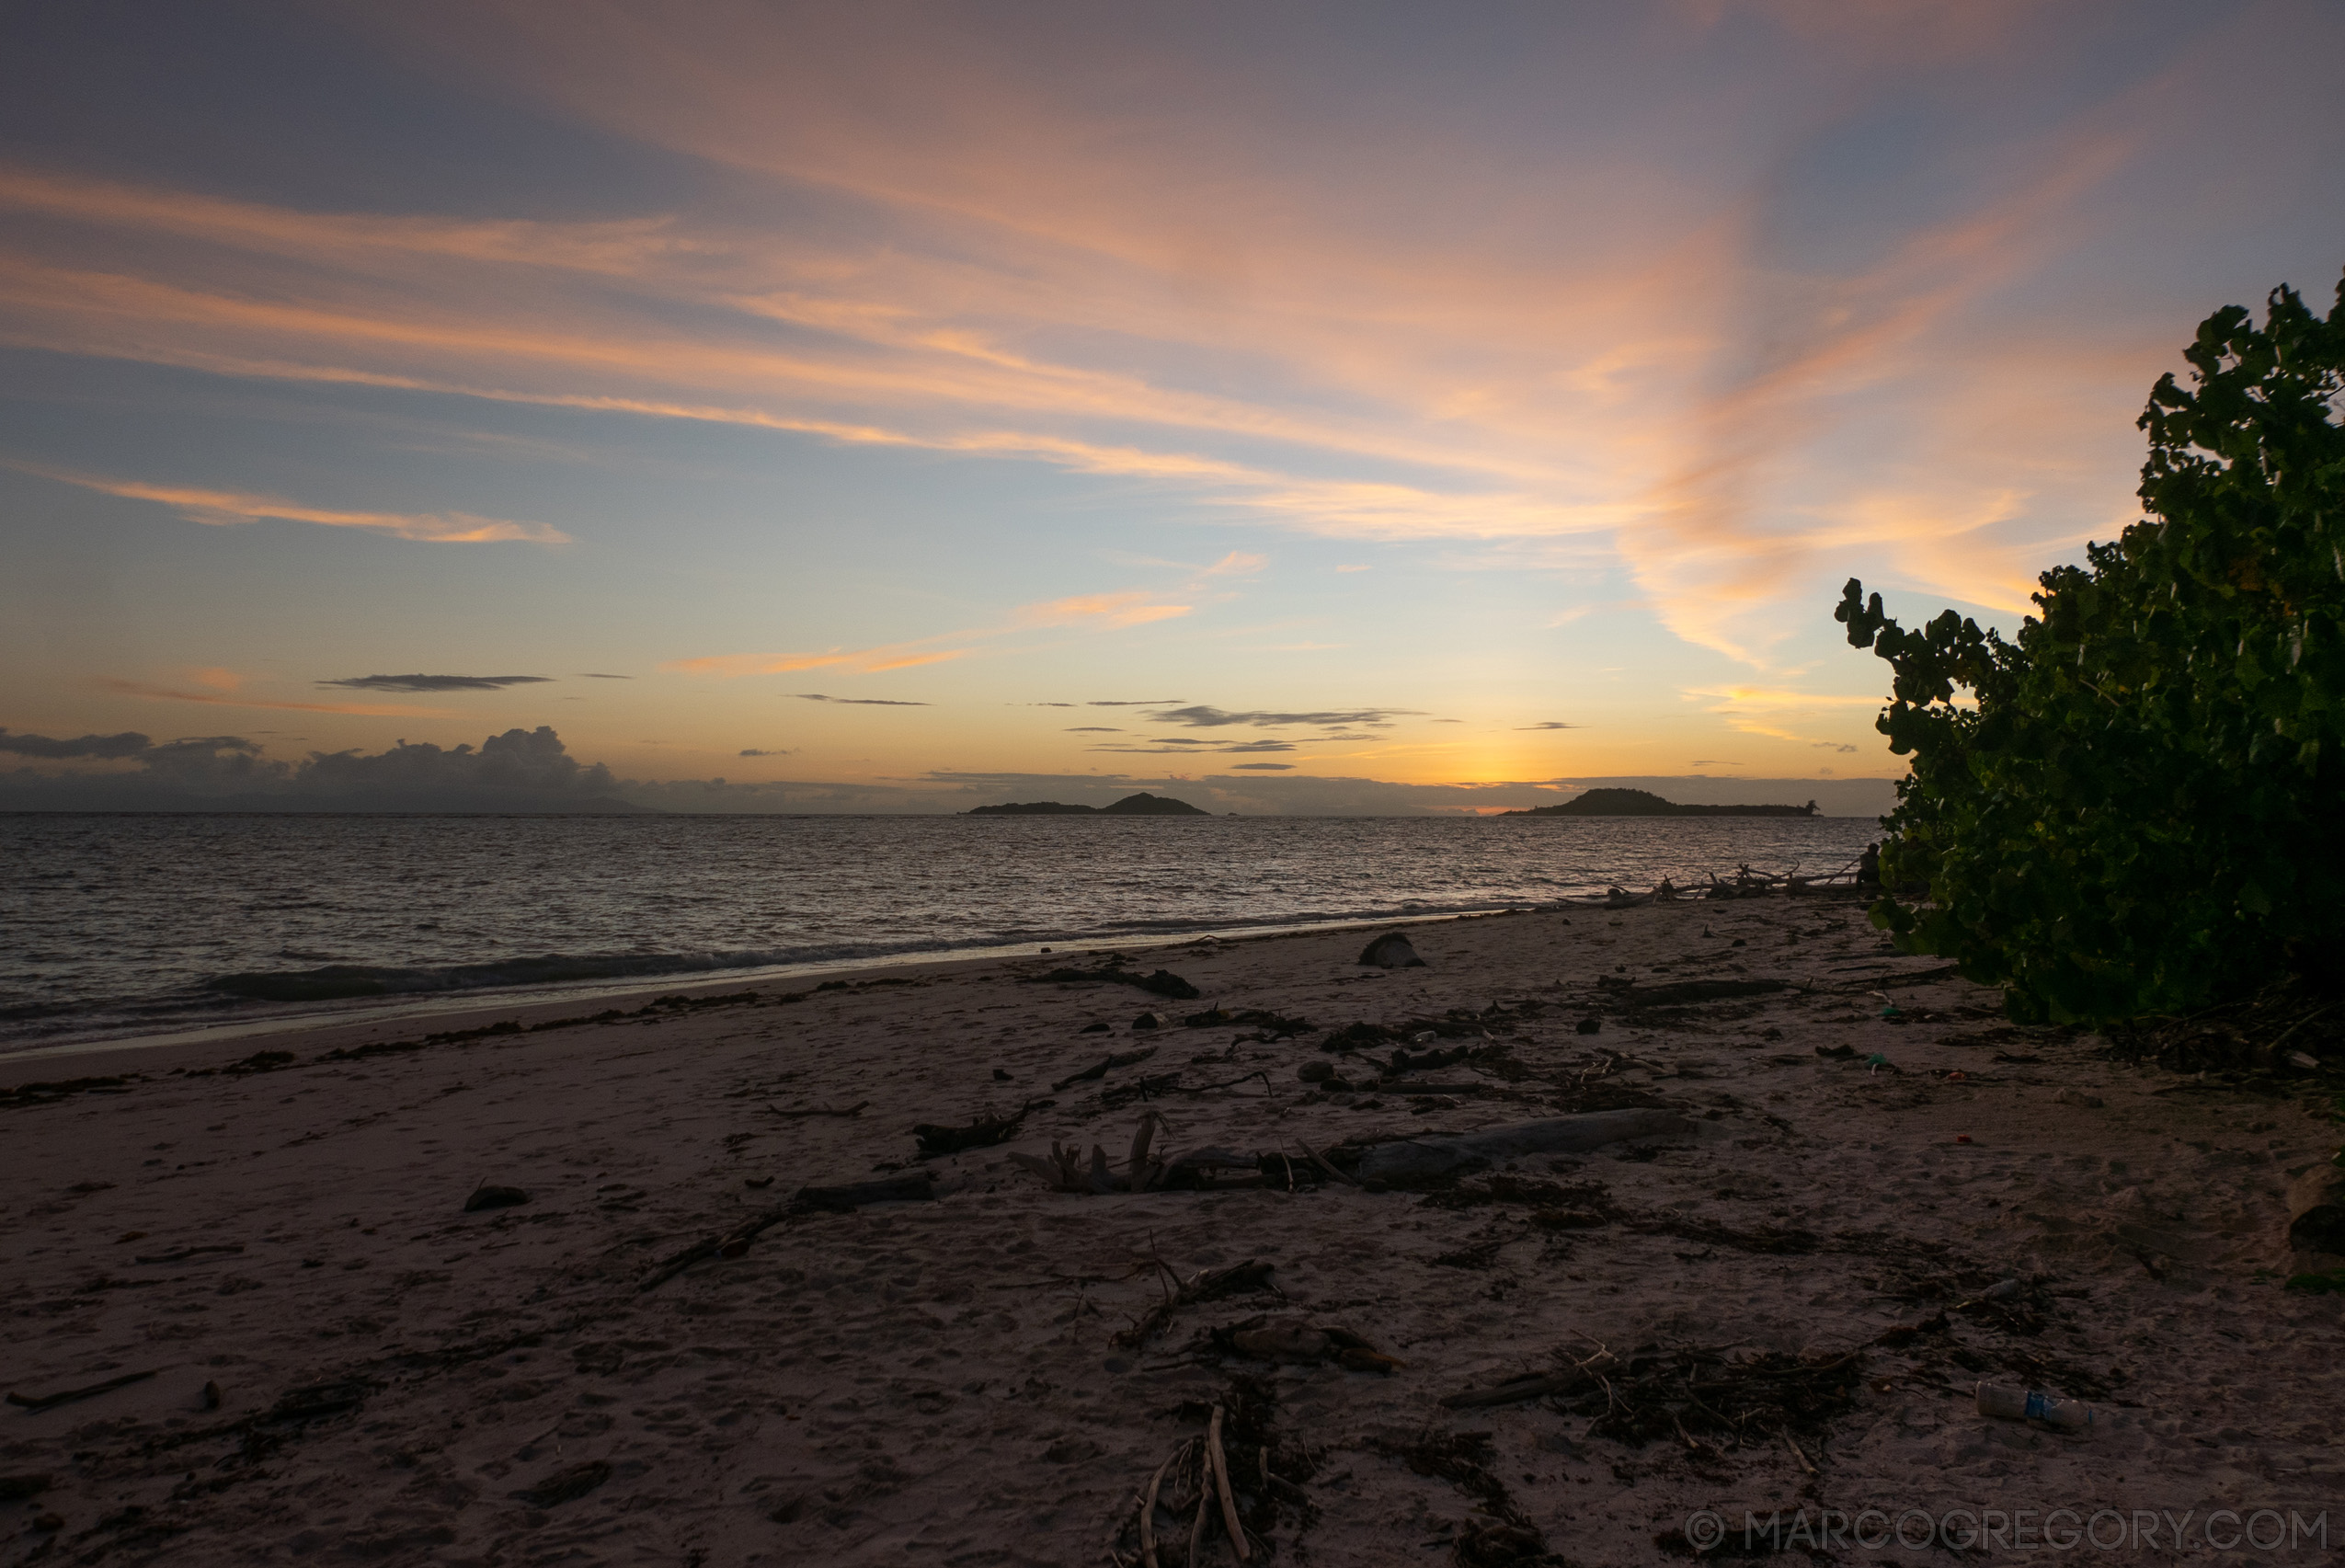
x,y
2033,1404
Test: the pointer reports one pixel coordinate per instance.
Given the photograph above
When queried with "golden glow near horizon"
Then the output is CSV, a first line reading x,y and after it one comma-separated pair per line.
x,y
1481,395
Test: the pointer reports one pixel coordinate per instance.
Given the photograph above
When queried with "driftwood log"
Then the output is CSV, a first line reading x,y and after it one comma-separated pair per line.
x,y
1419,1157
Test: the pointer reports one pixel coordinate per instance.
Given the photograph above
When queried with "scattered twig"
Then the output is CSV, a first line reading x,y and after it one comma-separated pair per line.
x,y
186,1252
1147,1508
1517,1391
1793,1444
1201,1088
918,1184
1208,1285
1321,1160
913,1186
1221,1485
855,1109
1107,1064
737,1239
38,1402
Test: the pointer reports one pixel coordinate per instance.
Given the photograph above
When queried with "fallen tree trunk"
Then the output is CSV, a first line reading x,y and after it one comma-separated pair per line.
x,y
1561,1135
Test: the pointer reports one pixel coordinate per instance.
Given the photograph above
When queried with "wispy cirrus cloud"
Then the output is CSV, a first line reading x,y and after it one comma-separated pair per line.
x,y
1133,607
228,508
1007,244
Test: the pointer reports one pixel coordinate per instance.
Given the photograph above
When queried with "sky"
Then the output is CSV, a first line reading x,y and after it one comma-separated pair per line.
x,y
883,407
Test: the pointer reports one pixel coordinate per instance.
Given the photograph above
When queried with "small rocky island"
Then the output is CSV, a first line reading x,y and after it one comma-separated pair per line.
x,y
1644,803
1140,805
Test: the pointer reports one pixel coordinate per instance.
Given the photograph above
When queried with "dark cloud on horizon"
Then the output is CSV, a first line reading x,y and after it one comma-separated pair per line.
x,y
593,675
1448,721
529,771
1134,703
1094,729
443,682
858,701
1208,717
130,743
519,770
1545,723
753,752
1180,748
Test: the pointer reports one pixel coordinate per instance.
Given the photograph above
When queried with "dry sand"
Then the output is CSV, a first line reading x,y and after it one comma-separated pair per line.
x,y
940,1381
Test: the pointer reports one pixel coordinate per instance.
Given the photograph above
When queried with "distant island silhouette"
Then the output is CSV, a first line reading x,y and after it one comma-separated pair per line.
x,y
1644,803
1140,805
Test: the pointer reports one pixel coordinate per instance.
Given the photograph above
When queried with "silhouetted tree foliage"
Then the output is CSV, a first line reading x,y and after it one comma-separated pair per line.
x,y
2138,809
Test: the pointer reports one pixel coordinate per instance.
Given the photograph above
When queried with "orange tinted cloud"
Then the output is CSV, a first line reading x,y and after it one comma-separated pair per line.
x,y
1104,610
227,509
1355,328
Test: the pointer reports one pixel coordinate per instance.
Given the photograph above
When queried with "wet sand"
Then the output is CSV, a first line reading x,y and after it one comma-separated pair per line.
x,y
943,1381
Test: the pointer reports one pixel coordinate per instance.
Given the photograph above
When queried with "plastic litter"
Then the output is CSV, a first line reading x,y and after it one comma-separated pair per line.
x,y
2010,1403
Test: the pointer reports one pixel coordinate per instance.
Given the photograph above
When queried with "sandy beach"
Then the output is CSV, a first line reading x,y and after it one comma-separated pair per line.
x,y
1782,1307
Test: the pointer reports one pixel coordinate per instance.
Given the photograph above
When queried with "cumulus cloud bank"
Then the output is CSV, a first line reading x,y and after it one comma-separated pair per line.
x,y
519,770
531,770
130,743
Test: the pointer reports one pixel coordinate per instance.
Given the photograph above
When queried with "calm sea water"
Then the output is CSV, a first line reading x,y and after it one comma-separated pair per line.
x,y
121,925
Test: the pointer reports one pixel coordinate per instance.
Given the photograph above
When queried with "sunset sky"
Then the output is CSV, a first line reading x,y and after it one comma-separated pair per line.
x,y
898,395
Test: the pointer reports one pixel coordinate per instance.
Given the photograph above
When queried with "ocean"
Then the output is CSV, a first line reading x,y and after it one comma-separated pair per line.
x,y
125,925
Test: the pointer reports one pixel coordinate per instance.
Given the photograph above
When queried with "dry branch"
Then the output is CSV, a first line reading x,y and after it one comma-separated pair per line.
x,y
1221,1485
38,1402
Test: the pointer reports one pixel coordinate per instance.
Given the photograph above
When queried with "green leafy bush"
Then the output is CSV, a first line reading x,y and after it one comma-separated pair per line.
x,y
2136,808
